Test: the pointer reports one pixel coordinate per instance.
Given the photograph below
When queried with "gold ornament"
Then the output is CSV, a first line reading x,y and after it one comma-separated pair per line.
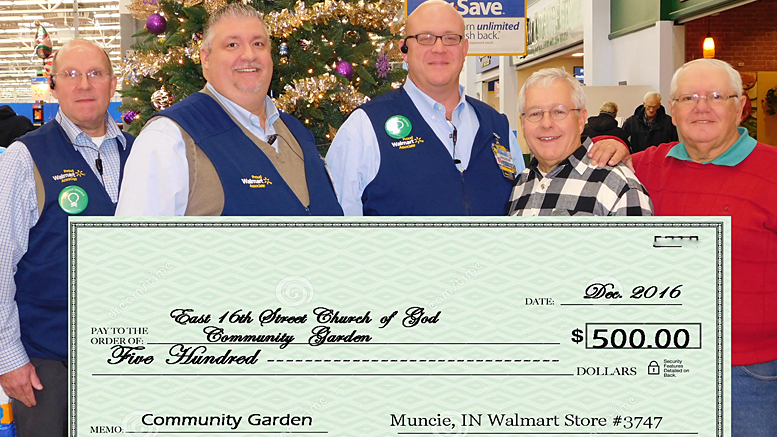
x,y
393,50
190,3
212,5
332,132
397,26
314,89
375,15
141,9
161,99
147,64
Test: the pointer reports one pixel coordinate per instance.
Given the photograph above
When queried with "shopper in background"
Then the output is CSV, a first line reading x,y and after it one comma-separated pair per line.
x,y
69,166
605,123
719,170
649,126
12,126
226,150
560,180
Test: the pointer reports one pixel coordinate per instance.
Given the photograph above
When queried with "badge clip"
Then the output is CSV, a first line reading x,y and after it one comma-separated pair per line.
x,y
503,159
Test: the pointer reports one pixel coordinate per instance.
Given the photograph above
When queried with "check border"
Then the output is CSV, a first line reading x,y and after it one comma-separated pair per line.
x,y
416,223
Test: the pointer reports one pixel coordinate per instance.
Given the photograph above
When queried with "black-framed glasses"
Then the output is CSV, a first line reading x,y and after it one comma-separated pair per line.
x,y
427,39
713,99
95,76
559,112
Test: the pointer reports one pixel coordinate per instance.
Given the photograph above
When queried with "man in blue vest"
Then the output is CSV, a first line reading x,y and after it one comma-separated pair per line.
x,y
72,165
426,148
226,150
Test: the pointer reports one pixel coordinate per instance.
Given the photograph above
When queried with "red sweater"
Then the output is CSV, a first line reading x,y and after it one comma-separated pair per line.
x,y
748,193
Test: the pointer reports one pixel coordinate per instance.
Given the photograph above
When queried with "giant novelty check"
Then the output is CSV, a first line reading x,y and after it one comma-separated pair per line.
x,y
367,327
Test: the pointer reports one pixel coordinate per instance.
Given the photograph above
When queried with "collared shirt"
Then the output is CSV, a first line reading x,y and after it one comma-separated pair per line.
x,y
156,176
575,187
354,157
107,151
249,120
735,154
19,213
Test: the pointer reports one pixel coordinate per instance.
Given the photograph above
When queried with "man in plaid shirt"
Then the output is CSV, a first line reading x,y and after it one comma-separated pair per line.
x,y
561,180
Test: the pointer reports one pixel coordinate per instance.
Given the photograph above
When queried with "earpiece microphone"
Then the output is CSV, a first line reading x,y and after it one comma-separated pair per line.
x,y
403,49
52,84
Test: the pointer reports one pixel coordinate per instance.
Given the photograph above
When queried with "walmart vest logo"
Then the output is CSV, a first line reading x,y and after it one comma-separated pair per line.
x,y
257,181
407,142
68,175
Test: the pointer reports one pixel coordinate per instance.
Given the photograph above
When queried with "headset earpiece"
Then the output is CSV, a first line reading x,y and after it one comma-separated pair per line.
x,y
52,84
403,49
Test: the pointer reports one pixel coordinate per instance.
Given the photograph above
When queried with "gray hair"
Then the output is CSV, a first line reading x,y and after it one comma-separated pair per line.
x,y
545,78
232,10
650,94
609,107
79,40
734,79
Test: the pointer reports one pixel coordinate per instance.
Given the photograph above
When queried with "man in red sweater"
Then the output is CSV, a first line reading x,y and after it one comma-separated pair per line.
x,y
721,171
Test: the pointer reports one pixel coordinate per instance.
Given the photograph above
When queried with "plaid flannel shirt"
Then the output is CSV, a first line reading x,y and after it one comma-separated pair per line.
x,y
575,187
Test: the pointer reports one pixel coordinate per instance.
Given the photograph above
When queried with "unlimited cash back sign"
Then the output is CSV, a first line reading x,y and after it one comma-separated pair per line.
x,y
368,327
493,27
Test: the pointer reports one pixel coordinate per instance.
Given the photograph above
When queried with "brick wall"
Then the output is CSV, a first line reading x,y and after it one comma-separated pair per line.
x,y
744,34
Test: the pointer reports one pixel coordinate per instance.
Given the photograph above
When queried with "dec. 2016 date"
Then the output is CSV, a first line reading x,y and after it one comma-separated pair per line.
x,y
608,290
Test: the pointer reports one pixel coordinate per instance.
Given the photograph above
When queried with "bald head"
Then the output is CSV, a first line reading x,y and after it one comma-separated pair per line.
x,y
434,63
434,10
82,44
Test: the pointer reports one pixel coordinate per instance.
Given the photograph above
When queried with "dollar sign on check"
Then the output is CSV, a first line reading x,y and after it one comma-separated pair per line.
x,y
577,335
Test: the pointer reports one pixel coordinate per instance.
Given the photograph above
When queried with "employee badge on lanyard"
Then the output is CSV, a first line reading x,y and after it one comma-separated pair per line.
x,y
503,158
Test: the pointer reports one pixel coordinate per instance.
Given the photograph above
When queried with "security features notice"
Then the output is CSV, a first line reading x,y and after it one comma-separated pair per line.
x,y
495,28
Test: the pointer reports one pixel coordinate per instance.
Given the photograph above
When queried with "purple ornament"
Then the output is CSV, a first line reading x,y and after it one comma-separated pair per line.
x,y
383,65
345,69
156,24
129,116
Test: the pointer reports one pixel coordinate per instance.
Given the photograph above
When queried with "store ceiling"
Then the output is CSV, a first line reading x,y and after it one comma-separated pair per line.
x,y
98,21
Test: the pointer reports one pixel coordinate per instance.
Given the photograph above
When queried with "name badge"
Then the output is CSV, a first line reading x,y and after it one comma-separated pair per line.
x,y
504,159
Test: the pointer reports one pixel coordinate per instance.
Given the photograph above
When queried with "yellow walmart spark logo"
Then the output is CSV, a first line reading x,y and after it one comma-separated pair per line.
x,y
69,175
257,181
407,142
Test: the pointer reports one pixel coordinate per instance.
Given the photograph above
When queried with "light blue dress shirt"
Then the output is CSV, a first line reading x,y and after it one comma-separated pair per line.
x,y
354,157
19,213
249,120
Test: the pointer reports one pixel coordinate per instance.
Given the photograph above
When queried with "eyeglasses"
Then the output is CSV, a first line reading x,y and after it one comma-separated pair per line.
x,y
713,99
560,112
427,39
92,76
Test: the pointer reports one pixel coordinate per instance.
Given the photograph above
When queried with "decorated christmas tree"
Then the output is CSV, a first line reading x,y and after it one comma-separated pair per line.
x,y
329,57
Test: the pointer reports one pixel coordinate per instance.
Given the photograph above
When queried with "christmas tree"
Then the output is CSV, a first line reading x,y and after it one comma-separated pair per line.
x,y
329,57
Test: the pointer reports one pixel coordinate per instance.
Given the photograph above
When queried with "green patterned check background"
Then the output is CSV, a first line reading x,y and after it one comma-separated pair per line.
x,y
385,327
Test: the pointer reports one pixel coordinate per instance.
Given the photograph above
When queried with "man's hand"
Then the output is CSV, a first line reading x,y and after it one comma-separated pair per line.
x,y
19,383
610,152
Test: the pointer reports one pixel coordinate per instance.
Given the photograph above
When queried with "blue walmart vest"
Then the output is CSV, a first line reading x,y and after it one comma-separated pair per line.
x,y
41,276
236,159
423,179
